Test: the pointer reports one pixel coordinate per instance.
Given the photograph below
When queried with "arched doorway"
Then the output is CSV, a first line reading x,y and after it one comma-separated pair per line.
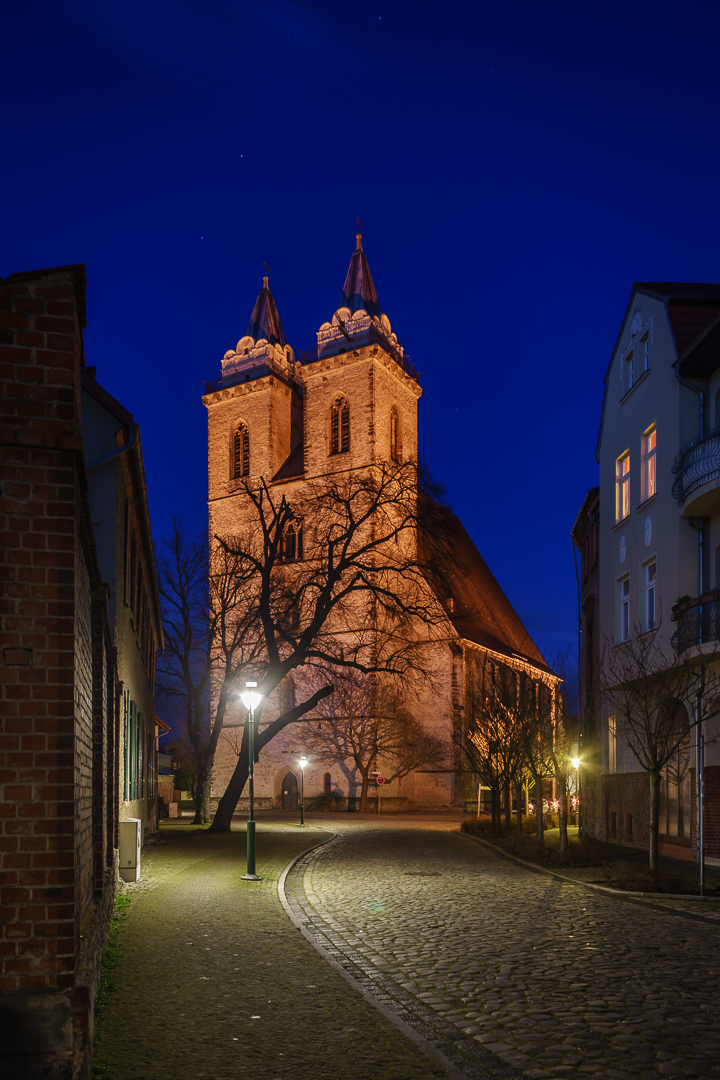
x,y
289,792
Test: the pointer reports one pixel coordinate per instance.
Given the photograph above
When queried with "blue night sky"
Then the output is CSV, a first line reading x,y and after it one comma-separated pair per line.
x,y
517,166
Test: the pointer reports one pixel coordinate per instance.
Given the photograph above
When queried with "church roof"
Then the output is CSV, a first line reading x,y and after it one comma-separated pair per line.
x,y
480,610
358,291
265,321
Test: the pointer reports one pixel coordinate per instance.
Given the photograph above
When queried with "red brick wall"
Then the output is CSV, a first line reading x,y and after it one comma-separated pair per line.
x,y
712,811
40,357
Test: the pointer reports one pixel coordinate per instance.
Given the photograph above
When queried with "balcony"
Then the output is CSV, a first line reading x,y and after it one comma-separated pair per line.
x,y
698,621
697,463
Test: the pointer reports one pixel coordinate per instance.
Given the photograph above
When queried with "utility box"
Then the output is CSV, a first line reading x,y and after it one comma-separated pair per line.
x,y
130,843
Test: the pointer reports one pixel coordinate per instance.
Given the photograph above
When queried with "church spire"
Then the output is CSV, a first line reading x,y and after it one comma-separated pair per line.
x,y
359,291
265,321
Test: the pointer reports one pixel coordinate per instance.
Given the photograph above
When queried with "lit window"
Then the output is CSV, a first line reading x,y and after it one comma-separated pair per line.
x,y
241,452
622,487
650,471
650,596
612,744
625,609
339,426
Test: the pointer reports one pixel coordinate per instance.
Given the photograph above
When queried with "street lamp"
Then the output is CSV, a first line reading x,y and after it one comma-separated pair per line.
x,y
576,766
303,762
251,699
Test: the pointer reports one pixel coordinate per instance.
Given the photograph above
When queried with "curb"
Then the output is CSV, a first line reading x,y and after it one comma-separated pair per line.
x,y
437,1056
585,884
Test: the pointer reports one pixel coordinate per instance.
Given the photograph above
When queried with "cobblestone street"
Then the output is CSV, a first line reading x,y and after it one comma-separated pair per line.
x,y
501,972
550,978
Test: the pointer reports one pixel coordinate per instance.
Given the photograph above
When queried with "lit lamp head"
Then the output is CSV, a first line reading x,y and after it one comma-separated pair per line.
x,y
250,698
303,762
576,763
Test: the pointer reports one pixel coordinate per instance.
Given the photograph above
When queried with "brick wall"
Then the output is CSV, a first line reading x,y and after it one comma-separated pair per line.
x,y
712,811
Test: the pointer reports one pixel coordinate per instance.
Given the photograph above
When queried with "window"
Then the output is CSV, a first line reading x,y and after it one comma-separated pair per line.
x,y
328,783
629,373
589,553
650,596
241,452
339,426
612,744
674,809
613,823
645,346
625,609
649,441
628,826
622,486
292,543
132,783
395,436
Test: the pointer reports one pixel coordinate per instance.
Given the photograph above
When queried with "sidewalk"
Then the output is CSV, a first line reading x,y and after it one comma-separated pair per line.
x,y
215,982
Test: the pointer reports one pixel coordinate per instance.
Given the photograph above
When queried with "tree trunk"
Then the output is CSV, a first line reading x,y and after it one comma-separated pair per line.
x,y
654,818
539,819
494,808
222,822
508,809
364,794
202,796
562,813
518,797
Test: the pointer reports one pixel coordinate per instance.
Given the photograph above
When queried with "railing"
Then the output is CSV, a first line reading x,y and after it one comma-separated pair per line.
x,y
695,464
370,336
698,621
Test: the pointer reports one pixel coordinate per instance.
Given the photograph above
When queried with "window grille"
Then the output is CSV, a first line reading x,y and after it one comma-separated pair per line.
x,y
241,452
339,426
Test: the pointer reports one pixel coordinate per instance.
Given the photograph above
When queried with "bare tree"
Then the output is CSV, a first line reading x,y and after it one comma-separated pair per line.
x,y
656,699
334,580
364,721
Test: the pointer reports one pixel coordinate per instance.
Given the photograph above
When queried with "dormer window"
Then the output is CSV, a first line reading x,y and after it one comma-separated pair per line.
x,y
241,452
339,426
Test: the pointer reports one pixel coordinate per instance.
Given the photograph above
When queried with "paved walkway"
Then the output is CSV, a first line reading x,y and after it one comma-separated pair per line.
x,y
513,972
216,982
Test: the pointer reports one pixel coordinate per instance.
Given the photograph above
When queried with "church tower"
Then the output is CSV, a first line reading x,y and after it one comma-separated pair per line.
x,y
361,393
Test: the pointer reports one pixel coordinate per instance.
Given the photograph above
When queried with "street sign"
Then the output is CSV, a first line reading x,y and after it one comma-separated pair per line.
x,y
379,779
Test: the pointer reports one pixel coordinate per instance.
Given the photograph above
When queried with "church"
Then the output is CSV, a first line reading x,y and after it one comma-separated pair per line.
x,y
289,420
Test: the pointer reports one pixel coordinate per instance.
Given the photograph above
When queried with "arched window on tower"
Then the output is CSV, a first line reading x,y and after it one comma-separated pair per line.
x,y
395,435
339,426
241,452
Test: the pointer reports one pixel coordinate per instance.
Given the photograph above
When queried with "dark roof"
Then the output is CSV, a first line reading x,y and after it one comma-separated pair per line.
x,y
702,358
265,321
481,611
293,466
691,306
592,497
101,395
358,291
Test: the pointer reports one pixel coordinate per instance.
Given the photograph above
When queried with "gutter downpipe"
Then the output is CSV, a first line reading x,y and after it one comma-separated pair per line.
x,y
579,677
119,451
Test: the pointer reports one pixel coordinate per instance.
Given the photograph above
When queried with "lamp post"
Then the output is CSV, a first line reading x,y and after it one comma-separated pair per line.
x,y
576,767
251,699
303,762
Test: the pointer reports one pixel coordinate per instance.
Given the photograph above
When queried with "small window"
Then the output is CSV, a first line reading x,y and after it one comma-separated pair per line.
x,y
649,463
628,826
328,783
339,426
612,744
645,346
292,543
629,372
395,435
625,609
622,486
650,596
241,452
613,823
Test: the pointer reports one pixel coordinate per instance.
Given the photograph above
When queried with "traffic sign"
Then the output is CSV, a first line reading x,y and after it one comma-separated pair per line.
x,y
379,779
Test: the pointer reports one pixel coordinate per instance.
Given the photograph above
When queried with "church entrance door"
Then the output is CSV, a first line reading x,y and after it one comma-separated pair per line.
x,y
290,792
